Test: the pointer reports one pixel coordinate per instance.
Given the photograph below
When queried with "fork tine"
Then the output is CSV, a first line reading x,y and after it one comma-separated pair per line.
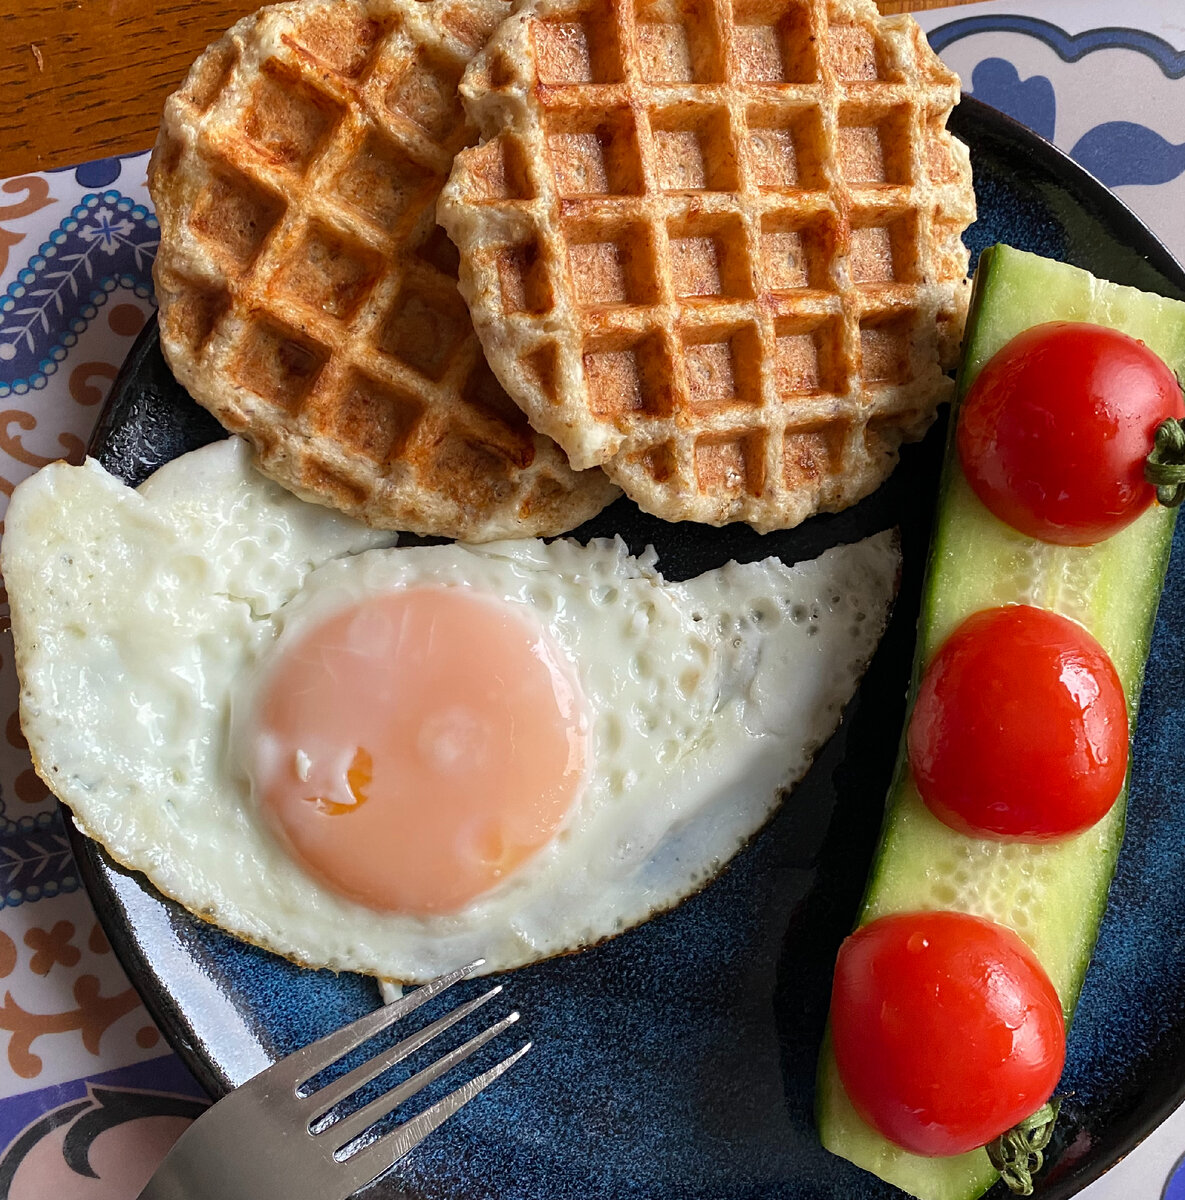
x,y
298,1068
336,1091
368,1164
343,1132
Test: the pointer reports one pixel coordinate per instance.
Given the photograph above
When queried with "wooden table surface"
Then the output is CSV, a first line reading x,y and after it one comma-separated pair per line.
x,y
83,79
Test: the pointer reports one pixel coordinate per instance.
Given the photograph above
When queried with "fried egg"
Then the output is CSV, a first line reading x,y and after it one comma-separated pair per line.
x,y
396,759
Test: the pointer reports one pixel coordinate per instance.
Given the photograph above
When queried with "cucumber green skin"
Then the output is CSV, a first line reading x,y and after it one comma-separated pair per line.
x,y
1053,895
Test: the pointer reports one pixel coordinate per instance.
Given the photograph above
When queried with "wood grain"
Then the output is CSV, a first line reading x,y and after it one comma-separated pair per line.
x,y
83,79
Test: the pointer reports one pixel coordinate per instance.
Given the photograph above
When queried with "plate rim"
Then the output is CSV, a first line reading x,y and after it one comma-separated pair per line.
x,y
98,871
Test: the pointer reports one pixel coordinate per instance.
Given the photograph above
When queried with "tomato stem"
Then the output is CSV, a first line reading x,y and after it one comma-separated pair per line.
x,y
1164,467
1019,1154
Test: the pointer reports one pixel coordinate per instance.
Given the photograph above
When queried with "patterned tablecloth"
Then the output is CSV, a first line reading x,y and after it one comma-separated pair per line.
x,y
90,1096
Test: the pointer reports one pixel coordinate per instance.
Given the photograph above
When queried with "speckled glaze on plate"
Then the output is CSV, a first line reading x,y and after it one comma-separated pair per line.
x,y
677,1062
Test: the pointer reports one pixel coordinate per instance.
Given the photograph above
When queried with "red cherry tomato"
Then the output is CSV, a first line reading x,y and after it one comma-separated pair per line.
x,y
1020,727
1055,429
946,1030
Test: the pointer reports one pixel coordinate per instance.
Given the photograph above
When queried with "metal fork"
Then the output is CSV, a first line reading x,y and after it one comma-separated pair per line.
x,y
271,1140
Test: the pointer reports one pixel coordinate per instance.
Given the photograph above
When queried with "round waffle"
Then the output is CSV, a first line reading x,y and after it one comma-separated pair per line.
x,y
307,297
715,245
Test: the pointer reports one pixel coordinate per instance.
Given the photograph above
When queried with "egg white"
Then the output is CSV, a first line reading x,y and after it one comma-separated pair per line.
x,y
144,623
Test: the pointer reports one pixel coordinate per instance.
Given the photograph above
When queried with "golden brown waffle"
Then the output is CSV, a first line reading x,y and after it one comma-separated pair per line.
x,y
307,297
716,246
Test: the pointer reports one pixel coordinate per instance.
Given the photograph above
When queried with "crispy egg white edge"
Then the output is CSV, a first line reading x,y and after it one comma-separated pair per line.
x,y
831,612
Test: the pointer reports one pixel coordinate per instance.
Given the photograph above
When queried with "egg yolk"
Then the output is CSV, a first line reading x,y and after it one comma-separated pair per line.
x,y
416,748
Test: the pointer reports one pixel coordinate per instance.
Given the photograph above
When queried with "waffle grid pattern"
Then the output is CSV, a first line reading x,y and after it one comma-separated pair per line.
x,y
716,246
308,297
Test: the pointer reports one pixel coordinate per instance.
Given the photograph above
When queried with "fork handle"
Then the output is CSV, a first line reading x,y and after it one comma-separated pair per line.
x,y
163,1189
201,1165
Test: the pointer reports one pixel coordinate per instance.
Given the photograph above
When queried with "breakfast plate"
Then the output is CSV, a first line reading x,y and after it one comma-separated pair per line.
x,y
678,1059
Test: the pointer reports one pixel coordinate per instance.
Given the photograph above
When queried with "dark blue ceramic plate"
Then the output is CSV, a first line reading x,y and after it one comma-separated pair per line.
x,y
677,1062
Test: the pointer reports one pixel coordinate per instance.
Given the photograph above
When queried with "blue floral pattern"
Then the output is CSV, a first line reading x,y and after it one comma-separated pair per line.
x,y
1117,153
106,242
35,859
1031,101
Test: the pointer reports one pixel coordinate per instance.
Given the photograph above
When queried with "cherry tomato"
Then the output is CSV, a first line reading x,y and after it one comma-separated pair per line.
x,y
946,1030
1055,429
1020,727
